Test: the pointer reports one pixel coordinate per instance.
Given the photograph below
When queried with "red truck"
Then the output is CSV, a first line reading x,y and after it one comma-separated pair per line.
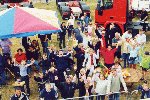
x,y
117,12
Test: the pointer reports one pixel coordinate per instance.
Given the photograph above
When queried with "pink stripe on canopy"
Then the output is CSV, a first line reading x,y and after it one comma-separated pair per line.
x,y
25,22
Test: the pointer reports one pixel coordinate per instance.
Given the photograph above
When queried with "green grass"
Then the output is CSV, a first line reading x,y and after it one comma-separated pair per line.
x,y
8,90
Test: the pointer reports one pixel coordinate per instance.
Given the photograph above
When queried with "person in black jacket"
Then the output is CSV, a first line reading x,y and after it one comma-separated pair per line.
x,y
62,35
80,57
44,42
70,30
67,89
2,71
41,80
61,62
48,93
52,72
19,95
110,34
33,54
45,64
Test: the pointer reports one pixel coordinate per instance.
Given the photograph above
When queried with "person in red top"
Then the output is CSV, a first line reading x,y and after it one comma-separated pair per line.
x,y
20,56
108,55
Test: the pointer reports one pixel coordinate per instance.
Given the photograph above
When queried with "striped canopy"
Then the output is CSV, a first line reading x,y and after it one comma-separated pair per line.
x,y
23,22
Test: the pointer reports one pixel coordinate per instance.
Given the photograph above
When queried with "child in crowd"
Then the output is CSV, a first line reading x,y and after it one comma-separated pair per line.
x,y
133,58
52,72
101,87
108,55
118,68
23,73
41,79
144,89
90,29
90,61
45,64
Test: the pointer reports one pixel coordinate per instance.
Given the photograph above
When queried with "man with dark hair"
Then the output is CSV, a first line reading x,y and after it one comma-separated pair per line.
x,y
67,88
19,95
62,35
108,55
144,17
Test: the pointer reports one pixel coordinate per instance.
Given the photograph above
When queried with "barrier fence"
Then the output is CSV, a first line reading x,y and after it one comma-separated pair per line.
x,y
127,96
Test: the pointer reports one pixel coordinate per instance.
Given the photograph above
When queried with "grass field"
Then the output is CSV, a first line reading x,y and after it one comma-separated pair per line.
x,y
8,90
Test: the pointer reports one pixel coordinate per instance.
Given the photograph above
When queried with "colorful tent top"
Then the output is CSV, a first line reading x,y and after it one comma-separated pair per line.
x,y
23,22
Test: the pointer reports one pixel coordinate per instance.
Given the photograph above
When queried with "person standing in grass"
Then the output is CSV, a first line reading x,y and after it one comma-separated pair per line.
x,y
23,73
113,88
101,86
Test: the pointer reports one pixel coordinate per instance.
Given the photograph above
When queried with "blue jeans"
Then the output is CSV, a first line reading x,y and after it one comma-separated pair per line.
x,y
125,57
115,96
44,45
2,78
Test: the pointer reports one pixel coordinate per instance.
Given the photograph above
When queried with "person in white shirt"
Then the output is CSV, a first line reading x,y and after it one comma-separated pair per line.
x,y
141,38
127,34
101,87
71,20
90,61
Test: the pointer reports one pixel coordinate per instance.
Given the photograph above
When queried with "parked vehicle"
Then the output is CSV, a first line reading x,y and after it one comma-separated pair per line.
x,y
117,12
68,7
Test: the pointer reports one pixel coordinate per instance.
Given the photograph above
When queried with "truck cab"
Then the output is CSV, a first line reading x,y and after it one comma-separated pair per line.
x,y
114,11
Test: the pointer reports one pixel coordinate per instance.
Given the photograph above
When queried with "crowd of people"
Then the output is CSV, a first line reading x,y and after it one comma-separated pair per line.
x,y
93,66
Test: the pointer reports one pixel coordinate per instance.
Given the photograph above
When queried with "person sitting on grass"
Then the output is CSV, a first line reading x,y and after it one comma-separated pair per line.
x,y
144,89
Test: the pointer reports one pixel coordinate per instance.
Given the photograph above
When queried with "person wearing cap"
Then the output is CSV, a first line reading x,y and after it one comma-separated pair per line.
x,y
67,89
114,83
144,89
19,95
48,93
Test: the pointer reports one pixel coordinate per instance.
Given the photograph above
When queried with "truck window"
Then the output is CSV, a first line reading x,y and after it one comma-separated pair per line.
x,y
108,4
104,4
